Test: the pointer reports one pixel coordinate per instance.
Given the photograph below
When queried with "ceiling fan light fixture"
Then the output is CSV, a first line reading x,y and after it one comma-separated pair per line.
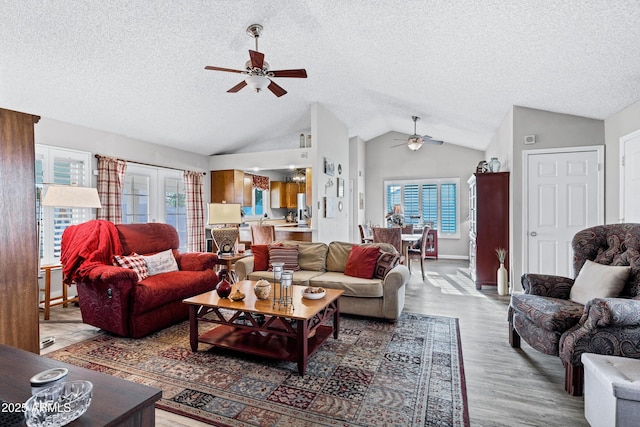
x,y
414,144
257,83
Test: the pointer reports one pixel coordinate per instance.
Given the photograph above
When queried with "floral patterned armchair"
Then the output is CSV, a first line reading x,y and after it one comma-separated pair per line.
x,y
550,322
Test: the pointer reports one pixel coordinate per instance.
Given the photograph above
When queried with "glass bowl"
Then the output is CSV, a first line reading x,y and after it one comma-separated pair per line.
x,y
59,404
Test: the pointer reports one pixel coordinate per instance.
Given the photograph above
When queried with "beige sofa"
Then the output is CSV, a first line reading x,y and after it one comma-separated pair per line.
x,y
324,265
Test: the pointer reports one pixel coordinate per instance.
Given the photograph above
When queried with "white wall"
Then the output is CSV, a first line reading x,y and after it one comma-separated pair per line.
x,y
615,127
357,176
60,134
331,140
384,162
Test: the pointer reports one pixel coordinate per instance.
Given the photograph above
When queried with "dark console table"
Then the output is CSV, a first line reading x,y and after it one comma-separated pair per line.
x,y
116,402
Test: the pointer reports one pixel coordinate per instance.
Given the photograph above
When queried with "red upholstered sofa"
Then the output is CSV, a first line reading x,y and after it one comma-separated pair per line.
x,y
113,299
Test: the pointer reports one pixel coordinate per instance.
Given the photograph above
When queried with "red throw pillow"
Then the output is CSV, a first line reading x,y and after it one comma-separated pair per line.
x,y
362,261
260,257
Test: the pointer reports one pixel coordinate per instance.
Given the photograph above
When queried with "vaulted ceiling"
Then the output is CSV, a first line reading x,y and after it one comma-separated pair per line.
x,y
136,68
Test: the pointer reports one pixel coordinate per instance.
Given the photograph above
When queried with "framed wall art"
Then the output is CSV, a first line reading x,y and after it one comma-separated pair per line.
x,y
329,167
340,187
329,207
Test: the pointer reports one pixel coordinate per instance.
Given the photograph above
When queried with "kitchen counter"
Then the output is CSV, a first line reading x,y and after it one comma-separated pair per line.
x,y
292,227
284,231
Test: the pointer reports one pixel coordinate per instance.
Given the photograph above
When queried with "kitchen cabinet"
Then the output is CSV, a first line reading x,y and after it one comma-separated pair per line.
x,y
292,189
277,194
488,225
284,194
231,186
309,187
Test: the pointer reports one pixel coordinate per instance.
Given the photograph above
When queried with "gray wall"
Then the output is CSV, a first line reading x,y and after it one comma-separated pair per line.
x,y
384,162
552,130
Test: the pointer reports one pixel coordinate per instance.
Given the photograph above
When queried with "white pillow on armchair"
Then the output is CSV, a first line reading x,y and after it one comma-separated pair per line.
x,y
598,281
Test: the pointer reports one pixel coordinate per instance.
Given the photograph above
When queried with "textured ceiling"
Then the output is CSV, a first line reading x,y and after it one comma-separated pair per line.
x,y
136,68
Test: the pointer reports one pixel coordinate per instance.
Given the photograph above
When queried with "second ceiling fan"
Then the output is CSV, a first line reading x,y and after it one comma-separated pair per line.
x,y
258,76
415,141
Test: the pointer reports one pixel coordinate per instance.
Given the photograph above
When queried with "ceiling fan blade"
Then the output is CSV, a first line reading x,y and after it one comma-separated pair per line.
x,y
399,145
237,87
228,70
300,73
433,141
277,90
257,59
425,137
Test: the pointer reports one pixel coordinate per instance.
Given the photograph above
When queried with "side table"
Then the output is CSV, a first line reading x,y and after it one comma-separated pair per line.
x,y
229,260
64,299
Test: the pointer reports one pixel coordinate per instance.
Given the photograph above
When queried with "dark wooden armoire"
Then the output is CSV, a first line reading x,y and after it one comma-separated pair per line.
x,y
18,237
488,225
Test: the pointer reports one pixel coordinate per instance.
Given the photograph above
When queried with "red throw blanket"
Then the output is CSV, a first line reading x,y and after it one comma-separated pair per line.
x,y
86,246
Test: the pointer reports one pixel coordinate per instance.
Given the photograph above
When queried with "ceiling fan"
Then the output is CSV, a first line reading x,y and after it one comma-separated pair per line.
x,y
258,76
415,141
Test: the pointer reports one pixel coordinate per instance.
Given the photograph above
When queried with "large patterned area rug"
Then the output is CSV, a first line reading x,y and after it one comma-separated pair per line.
x,y
408,373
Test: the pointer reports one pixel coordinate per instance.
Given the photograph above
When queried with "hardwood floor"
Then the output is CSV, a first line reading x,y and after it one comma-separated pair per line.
x,y
505,386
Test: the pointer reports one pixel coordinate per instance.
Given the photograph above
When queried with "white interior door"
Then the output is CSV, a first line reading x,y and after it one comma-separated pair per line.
x,y
565,194
630,177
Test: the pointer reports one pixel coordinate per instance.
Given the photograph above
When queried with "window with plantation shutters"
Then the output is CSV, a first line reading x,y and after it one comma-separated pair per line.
x,y
448,208
411,204
434,201
394,196
430,204
56,166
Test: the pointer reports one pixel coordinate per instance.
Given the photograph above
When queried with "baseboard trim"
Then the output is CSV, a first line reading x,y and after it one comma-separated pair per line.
x,y
460,257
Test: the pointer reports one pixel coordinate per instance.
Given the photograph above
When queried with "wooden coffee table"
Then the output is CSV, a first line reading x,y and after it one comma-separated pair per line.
x,y
257,327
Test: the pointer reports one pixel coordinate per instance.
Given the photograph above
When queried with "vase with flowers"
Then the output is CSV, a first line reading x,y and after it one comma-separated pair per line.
x,y
502,277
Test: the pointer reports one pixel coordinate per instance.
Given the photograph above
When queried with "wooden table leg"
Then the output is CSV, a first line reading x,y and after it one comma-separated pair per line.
x,y
303,346
193,327
336,319
47,293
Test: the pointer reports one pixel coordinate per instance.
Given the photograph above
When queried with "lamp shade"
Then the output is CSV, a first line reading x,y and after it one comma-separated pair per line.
x,y
225,213
69,196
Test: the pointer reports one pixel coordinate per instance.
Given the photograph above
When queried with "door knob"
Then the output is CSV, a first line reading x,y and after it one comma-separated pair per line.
x,y
533,234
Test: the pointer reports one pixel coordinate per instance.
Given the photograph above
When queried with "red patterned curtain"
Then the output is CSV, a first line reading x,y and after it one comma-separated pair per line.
x,y
193,182
261,182
110,182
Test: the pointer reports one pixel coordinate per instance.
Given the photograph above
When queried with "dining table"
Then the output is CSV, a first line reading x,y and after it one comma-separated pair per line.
x,y
407,241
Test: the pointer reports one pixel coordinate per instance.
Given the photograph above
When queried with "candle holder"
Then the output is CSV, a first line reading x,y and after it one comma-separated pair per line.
x,y
282,294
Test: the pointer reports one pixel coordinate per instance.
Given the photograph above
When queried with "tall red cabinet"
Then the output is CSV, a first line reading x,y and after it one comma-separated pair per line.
x,y
488,225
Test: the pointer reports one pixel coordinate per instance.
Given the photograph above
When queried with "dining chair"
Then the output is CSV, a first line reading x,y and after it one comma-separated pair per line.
x,y
420,251
392,236
407,229
365,234
263,234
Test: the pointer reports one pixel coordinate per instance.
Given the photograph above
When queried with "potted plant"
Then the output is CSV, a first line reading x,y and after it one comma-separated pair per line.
x,y
502,277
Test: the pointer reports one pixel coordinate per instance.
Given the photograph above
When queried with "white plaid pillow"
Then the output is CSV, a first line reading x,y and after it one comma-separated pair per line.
x,y
135,262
